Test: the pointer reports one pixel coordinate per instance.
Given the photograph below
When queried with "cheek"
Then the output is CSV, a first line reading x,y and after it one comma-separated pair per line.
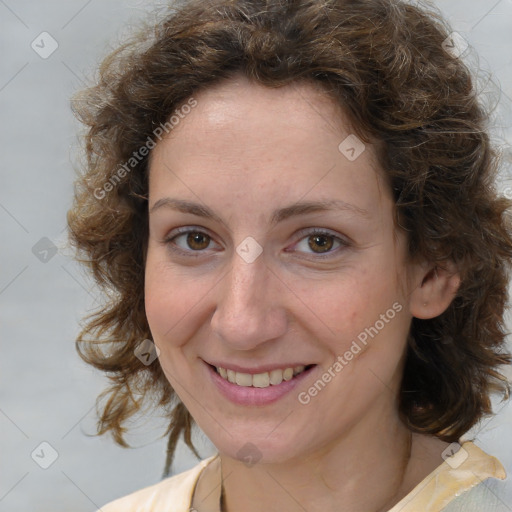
x,y
365,308
353,301
171,301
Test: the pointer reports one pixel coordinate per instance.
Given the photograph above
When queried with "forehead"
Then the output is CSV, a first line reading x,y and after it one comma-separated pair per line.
x,y
246,136
239,104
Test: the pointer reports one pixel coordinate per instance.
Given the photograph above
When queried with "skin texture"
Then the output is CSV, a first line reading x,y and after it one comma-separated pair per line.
x,y
244,151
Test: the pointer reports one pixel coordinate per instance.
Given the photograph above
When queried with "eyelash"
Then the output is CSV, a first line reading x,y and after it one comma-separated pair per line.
x,y
170,241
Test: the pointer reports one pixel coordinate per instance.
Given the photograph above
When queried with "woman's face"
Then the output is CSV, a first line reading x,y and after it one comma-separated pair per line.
x,y
272,247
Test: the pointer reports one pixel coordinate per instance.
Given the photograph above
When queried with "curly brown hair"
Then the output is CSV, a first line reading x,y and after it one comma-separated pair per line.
x,y
384,62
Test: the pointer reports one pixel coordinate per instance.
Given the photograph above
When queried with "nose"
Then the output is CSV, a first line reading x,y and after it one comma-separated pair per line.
x,y
249,308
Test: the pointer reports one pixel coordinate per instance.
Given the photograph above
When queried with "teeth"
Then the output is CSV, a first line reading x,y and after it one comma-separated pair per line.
x,y
297,370
276,377
288,374
260,380
243,379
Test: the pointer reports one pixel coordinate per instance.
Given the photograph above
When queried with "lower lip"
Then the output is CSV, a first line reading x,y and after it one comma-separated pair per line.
x,y
249,395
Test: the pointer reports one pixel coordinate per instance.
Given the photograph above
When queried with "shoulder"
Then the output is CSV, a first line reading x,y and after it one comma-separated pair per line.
x,y
462,483
172,494
487,496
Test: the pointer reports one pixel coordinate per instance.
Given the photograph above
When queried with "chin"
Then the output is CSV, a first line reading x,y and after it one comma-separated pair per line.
x,y
252,449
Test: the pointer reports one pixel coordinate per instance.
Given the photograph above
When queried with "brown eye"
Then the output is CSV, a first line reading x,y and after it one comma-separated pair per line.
x,y
189,241
320,243
198,241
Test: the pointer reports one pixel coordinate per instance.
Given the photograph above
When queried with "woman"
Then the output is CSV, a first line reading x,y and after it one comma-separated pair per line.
x,y
291,204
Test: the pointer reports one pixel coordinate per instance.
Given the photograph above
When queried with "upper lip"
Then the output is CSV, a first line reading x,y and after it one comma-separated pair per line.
x,y
262,368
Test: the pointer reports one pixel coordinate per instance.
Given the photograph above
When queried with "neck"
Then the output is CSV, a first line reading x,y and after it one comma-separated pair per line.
x,y
359,472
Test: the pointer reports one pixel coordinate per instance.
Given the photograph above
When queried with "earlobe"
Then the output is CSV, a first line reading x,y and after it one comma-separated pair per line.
x,y
436,287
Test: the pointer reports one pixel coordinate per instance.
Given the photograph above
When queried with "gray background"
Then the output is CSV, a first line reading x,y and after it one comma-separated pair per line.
x,y
47,393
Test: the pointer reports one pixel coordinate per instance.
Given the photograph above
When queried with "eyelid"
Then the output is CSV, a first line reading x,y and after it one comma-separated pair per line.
x,y
306,232
168,239
319,231
300,235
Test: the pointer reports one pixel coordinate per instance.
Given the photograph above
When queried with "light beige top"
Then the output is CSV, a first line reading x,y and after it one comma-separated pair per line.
x,y
456,485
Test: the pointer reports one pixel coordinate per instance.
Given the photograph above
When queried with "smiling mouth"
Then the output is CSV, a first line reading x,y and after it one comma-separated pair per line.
x,y
261,380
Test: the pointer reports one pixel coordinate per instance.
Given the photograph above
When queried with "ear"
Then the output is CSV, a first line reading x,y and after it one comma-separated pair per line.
x,y
435,288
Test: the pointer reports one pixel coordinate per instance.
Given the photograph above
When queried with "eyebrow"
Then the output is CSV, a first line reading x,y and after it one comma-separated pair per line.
x,y
279,215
